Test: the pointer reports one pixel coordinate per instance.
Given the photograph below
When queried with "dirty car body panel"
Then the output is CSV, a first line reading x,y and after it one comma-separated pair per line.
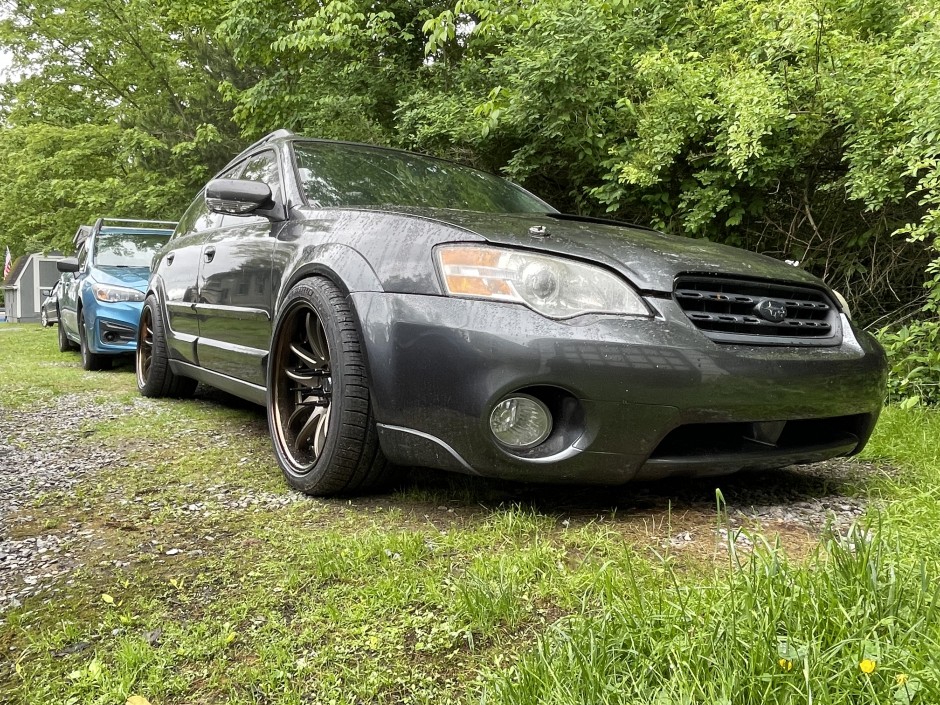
x,y
731,361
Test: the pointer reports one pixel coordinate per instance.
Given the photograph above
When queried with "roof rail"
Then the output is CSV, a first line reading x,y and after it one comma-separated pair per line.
x,y
106,221
81,235
277,134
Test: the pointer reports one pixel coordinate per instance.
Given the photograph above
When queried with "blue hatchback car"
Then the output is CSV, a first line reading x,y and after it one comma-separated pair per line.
x,y
99,305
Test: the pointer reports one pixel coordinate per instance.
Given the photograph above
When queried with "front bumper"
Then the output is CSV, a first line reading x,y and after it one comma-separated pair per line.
x,y
112,327
643,398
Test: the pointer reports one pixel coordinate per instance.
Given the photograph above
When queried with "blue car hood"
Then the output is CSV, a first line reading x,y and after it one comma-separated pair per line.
x,y
132,277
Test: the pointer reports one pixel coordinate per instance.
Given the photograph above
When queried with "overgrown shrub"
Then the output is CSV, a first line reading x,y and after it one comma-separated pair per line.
x,y
914,355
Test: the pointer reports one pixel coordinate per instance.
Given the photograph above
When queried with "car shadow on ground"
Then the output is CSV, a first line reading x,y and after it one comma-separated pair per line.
x,y
792,485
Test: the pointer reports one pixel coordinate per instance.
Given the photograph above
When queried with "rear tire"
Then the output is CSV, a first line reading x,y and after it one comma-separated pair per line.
x,y
319,410
90,361
154,376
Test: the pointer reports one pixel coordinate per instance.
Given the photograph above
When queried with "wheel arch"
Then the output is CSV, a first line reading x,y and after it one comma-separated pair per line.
x,y
346,269
156,289
339,263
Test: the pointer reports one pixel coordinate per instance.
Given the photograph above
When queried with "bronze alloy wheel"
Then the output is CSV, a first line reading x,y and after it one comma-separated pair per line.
x,y
303,388
144,347
319,409
155,378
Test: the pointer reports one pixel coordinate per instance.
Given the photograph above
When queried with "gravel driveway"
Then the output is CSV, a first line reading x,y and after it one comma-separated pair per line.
x,y
41,453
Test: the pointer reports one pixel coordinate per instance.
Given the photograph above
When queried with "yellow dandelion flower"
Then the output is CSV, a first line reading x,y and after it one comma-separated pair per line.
x,y
867,666
901,678
786,664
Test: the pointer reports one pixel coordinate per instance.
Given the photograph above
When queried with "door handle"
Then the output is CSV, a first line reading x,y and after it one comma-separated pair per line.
x,y
169,258
209,253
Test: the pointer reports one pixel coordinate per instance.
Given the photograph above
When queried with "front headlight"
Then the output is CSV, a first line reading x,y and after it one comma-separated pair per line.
x,y
843,303
115,294
552,286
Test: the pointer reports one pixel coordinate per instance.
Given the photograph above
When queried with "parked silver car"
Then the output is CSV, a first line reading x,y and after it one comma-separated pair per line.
x,y
49,311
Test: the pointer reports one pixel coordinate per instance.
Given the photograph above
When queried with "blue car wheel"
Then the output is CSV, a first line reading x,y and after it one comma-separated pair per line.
x,y
90,361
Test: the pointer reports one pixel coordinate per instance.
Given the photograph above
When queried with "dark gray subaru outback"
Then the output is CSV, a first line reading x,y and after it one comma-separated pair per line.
x,y
390,307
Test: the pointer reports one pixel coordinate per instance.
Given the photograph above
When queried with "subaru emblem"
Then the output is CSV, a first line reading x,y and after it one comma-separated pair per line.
x,y
771,310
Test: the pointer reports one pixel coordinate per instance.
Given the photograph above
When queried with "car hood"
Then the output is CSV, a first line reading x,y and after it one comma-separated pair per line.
x,y
132,277
650,259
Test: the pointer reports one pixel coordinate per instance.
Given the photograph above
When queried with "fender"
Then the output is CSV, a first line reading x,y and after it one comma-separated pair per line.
x,y
339,263
343,266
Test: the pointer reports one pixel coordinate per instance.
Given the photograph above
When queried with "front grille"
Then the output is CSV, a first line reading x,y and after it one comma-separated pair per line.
x,y
758,312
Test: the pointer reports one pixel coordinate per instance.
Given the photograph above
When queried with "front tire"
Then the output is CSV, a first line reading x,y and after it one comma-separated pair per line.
x,y
64,343
154,376
44,318
319,411
90,361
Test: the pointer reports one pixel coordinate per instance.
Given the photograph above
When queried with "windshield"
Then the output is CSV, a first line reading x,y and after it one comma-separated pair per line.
x,y
343,175
127,249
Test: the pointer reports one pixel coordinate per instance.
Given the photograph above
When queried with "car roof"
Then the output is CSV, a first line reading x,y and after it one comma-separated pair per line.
x,y
281,136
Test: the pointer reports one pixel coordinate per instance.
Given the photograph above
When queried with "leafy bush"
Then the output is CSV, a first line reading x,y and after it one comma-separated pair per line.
x,y
914,354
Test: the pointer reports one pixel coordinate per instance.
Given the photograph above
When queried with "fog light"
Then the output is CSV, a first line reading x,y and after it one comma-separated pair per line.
x,y
520,421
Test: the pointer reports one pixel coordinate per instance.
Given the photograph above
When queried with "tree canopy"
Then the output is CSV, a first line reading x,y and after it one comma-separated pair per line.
x,y
805,129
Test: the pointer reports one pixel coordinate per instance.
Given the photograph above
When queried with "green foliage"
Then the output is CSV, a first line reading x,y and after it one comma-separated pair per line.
x,y
335,69
57,178
114,111
914,353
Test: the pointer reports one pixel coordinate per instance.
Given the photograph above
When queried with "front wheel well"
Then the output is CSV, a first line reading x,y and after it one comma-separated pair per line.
x,y
331,276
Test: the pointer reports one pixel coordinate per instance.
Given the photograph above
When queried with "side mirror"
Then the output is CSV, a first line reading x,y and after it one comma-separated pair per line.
x,y
45,291
69,264
237,196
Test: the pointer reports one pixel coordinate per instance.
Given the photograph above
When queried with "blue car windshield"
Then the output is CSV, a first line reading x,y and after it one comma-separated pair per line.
x,y
344,175
127,249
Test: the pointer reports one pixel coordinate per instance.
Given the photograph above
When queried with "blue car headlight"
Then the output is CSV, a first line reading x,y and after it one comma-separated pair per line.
x,y
115,294
555,287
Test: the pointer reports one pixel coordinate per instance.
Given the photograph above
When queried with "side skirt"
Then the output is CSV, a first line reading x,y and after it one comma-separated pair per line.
x,y
239,388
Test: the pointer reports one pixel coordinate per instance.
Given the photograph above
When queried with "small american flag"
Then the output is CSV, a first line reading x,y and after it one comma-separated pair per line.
x,y
7,264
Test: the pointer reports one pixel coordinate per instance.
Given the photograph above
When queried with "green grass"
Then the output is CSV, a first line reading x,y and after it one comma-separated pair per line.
x,y
452,590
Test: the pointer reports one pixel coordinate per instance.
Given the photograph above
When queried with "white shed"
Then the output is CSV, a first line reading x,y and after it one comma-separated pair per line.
x,y
22,288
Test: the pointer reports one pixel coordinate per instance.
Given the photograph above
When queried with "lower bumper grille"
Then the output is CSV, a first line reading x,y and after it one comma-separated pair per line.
x,y
758,312
719,448
111,332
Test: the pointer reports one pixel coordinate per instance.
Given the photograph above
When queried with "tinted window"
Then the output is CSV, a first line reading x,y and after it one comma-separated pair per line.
x,y
263,167
348,175
126,249
198,217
